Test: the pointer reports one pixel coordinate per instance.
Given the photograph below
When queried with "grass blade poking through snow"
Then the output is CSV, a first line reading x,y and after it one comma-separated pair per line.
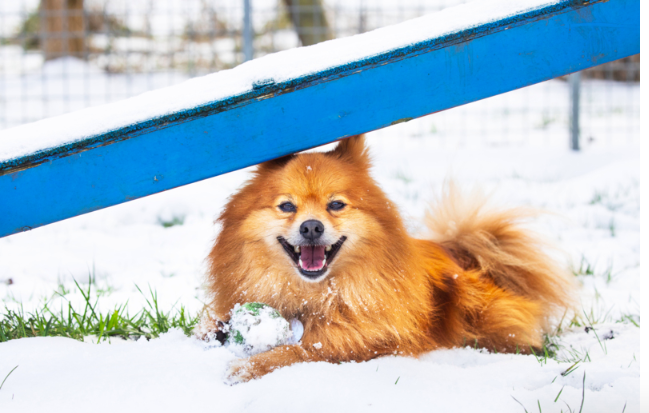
x,y
8,374
583,393
520,404
571,368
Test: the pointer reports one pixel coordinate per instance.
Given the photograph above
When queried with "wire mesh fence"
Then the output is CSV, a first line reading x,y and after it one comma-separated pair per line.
x,y
57,56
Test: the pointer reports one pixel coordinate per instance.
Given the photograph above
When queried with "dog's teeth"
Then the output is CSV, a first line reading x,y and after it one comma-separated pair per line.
x,y
328,248
297,249
301,266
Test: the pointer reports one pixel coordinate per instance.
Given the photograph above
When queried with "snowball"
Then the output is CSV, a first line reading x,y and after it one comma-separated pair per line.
x,y
255,328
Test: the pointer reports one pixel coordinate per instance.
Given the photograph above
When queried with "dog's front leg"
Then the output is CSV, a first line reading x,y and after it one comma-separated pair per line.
x,y
243,370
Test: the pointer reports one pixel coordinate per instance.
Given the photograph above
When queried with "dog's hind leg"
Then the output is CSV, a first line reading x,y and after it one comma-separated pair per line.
x,y
472,310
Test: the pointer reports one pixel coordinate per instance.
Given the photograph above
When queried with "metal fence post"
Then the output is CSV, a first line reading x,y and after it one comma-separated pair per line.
x,y
247,30
575,89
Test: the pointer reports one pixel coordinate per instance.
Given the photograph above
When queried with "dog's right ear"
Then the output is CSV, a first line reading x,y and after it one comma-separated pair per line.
x,y
274,164
353,150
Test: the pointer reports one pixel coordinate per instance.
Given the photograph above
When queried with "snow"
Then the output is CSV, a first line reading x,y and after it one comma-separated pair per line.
x,y
282,66
175,373
253,330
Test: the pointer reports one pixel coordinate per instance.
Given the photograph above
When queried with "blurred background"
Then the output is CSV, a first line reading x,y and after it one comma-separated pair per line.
x,y
57,56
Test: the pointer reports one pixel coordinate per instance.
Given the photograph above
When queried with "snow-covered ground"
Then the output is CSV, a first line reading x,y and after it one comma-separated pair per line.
x,y
175,373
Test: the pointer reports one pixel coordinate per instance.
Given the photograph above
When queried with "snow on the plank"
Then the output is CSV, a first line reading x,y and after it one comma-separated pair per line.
x,y
282,66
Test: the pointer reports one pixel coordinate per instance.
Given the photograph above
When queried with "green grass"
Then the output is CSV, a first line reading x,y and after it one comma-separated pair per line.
x,y
570,409
68,321
403,177
175,220
586,268
7,376
616,199
611,227
575,356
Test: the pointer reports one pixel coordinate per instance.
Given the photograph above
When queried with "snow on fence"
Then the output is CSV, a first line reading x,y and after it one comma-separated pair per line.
x,y
298,99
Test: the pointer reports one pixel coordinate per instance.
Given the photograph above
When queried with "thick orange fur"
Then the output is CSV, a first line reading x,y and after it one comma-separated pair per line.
x,y
482,279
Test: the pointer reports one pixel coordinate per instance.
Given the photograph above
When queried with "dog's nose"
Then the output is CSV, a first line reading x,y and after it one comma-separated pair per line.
x,y
311,229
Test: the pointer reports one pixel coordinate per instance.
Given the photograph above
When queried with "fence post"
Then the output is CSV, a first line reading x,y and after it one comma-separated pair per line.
x,y
310,21
575,91
61,25
247,31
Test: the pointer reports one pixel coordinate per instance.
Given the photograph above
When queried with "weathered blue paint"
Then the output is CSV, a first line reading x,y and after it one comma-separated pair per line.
x,y
276,119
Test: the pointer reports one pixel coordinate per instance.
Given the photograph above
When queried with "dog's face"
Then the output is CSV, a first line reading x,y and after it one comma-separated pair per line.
x,y
312,219
315,213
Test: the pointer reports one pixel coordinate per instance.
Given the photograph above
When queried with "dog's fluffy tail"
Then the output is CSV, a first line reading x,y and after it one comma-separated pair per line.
x,y
495,243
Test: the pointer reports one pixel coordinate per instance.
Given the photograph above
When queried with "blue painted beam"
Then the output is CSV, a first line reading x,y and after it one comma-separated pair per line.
x,y
275,119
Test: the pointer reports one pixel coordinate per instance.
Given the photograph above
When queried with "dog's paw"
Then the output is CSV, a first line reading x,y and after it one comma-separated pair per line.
x,y
238,371
211,330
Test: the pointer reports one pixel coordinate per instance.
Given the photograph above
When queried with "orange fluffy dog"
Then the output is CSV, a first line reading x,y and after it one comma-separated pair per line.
x,y
313,236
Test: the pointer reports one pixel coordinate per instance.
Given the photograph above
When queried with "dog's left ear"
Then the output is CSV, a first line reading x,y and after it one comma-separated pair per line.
x,y
274,164
353,150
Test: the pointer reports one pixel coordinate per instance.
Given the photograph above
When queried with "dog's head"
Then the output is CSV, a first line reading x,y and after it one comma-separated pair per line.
x,y
313,213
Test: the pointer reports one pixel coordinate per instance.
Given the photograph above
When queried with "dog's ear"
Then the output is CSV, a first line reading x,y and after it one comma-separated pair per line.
x,y
353,150
274,164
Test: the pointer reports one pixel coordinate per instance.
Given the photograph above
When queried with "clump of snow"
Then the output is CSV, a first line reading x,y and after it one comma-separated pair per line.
x,y
255,328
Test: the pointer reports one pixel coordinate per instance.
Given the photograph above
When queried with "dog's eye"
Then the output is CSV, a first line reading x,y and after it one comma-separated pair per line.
x,y
287,207
336,205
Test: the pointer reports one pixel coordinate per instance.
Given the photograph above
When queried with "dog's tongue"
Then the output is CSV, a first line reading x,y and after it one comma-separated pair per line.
x,y
312,257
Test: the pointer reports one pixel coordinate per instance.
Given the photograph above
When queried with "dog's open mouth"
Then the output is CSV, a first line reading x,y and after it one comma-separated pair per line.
x,y
312,260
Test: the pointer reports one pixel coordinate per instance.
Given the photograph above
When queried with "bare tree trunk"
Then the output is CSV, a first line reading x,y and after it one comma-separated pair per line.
x,y
62,28
309,20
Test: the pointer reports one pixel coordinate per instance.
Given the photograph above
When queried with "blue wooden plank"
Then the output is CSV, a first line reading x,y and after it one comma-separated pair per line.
x,y
277,119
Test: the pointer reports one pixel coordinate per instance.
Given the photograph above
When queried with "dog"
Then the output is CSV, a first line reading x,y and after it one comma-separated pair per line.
x,y
314,236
